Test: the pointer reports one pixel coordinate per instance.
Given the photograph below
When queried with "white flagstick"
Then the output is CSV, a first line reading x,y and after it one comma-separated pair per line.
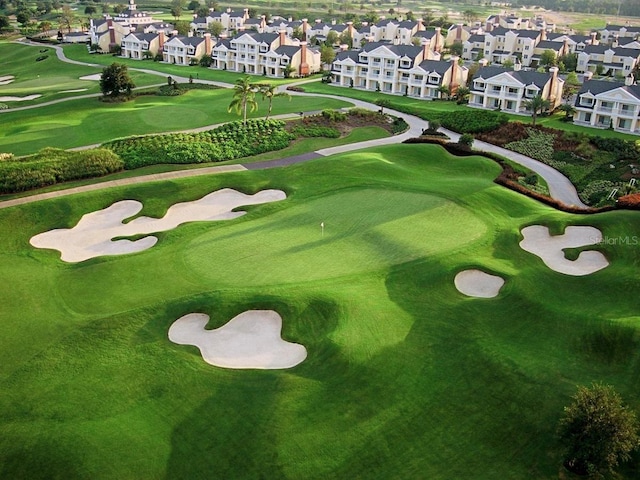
x,y
322,229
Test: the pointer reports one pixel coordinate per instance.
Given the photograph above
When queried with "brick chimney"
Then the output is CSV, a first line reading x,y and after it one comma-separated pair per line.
x,y
425,49
112,33
420,26
304,66
207,43
587,76
453,83
594,38
245,15
160,40
350,28
565,47
282,38
543,34
437,46
552,85
305,27
459,32
344,47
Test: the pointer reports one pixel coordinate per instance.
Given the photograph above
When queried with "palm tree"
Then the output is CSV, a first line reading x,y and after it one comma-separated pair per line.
x,y
536,104
244,96
444,91
462,94
269,91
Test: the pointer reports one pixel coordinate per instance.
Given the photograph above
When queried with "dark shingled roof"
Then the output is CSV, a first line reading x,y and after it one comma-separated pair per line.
x,y
596,87
525,77
410,51
439,67
259,37
596,48
288,50
352,54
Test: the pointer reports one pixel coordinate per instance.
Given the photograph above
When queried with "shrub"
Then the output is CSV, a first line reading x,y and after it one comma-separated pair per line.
x,y
334,115
466,140
472,121
227,142
399,125
538,145
50,166
630,201
293,88
315,131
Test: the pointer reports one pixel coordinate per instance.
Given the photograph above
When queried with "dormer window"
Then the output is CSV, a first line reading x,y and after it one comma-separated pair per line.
x,y
479,85
586,101
433,79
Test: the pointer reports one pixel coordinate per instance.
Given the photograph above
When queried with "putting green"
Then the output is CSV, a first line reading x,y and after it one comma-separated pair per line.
x,y
365,230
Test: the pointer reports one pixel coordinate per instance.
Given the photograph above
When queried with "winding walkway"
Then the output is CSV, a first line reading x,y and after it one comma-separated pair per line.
x,y
560,187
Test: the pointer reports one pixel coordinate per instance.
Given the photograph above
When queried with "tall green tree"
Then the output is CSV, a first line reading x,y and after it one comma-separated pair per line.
x,y
115,81
598,431
269,92
536,104
244,97
327,55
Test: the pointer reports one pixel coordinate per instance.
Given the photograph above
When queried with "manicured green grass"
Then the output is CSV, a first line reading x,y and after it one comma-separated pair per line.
x,y
50,77
426,108
405,377
89,121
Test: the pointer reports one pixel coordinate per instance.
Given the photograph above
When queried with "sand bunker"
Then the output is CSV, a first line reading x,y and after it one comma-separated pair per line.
x,y
95,76
538,241
92,236
7,79
476,283
250,340
75,90
20,99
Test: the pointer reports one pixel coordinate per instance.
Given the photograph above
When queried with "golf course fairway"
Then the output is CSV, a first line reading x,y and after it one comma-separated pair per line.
x,y
404,377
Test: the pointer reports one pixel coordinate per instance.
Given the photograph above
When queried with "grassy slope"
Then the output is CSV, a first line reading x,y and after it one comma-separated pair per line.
x,y
51,76
405,378
88,121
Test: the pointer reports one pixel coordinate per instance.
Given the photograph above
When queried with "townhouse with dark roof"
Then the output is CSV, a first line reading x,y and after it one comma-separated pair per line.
x,y
603,104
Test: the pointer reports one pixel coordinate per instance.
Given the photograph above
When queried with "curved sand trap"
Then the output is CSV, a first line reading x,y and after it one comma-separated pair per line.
x,y
7,79
538,241
476,283
20,99
250,340
92,236
95,76
75,90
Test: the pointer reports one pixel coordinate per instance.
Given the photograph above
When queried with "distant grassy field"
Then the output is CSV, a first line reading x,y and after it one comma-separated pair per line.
x,y
49,77
405,377
89,121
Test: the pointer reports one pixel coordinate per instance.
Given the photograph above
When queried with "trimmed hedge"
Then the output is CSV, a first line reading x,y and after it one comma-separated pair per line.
x,y
316,131
471,121
51,165
227,142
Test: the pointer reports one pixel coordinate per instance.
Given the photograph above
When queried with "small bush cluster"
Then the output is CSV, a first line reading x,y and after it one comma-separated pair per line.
x,y
398,125
334,115
229,141
315,131
362,112
538,145
472,121
51,165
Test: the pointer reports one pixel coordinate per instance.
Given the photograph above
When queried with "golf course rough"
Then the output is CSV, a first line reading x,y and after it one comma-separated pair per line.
x,y
93,235
250,340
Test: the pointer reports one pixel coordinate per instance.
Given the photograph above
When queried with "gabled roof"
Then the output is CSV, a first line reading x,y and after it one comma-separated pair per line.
x,y
596,49
409,24
533,34
476,39
440,67
549,45
626,52
411,51
385,22
596,87
253,21
352,54
288,50
524,77
258,37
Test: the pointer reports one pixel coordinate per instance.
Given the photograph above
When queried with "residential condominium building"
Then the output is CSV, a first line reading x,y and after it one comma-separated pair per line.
x,y
267,54
398,69
496,88
603,104
182,50
142,45
610,60
611,33
106,34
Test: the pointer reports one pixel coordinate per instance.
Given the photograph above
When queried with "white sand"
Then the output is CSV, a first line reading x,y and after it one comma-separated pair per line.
x,y
92,236
95,76
538,241
75,90
476,283
6,79
250,340
19,99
